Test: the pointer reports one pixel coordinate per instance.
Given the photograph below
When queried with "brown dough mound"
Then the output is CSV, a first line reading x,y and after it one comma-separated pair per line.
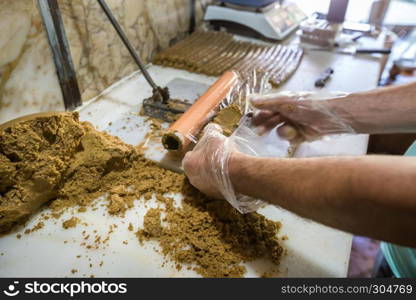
x,y
55,158
42,157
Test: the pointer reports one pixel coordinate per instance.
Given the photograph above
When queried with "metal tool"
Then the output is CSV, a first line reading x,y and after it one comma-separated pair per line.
x,y
324,77
354,50
55,30
159,105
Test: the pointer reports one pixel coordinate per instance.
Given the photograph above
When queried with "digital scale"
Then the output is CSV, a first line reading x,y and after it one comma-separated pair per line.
x,y
265,19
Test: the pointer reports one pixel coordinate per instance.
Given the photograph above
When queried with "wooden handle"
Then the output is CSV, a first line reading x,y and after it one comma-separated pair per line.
x,y
180,133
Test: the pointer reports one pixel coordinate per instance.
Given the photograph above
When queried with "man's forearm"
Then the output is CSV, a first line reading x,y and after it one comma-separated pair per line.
x,y
384,110
371,196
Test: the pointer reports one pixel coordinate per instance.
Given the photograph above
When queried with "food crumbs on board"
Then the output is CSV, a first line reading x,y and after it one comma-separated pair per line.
x,y
70,223
38,226
82,209
72,165
212,236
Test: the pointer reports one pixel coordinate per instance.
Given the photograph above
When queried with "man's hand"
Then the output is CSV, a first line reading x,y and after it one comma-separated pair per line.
x,y
302,119
207,165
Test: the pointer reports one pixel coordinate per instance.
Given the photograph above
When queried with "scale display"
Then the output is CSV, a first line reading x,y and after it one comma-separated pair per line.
x,y
274,22
284,19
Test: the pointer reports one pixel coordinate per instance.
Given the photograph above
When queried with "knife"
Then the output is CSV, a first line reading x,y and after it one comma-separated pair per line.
x,y
354,51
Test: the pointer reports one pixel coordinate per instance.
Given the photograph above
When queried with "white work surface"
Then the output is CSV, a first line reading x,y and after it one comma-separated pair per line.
x,y
313,249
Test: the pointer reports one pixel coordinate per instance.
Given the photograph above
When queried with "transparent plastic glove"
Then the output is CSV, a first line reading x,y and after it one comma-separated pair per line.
x,y
207,168
207,164
303,116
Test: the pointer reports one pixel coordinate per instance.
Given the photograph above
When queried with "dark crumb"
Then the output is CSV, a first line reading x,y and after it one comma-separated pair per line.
x,y
18,235
73,271
70,223
38,226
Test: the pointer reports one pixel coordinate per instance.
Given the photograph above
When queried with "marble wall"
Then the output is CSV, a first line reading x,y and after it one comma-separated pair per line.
x,y
28,81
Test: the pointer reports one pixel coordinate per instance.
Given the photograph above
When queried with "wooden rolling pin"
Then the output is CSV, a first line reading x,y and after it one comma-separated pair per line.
x,y
181,133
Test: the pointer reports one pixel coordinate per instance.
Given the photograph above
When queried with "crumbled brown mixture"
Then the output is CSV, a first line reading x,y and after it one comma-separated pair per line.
x,y
211,235
59,161
116,205
34,155
152,225
54,157
38,226
70,223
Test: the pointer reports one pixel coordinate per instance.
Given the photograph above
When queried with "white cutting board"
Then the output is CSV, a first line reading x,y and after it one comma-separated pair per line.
x,y
313,249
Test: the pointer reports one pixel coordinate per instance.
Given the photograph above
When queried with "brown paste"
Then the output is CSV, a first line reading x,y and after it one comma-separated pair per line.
x,y
56,160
